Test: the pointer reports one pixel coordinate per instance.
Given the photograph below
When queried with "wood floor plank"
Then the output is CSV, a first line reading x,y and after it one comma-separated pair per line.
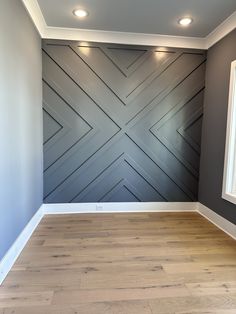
x,y
124,307
211,267
103,295
212,288
136,263
194,304
208,311
22,299
44,277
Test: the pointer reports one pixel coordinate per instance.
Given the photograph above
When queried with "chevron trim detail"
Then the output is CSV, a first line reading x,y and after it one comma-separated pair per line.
x,y
121,123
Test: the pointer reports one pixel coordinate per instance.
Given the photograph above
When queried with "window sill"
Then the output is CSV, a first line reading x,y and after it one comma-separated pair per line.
x,y
229,197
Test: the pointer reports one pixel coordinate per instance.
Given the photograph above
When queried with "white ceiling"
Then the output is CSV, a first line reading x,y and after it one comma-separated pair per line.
x,y
135,22
139,16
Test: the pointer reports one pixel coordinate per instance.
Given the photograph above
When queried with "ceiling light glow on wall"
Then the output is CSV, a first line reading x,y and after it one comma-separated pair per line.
x,y
80,13
185,21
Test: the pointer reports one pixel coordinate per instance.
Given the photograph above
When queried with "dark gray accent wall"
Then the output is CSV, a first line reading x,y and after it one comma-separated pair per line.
x,y
219,61
121,123
21,181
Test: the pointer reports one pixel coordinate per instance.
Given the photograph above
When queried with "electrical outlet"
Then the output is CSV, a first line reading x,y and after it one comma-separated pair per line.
x,y
99,207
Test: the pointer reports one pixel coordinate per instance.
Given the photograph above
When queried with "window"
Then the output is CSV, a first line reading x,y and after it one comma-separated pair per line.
x,y
229,182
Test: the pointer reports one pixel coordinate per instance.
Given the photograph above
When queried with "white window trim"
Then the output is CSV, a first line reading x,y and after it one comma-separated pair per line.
x,y
230,148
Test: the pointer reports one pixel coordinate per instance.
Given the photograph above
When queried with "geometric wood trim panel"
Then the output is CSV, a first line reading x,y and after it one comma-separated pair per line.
x,y
121,123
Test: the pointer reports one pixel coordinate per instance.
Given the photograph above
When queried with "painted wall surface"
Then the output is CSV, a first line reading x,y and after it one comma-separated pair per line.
x,y
21,181
219,61
121,123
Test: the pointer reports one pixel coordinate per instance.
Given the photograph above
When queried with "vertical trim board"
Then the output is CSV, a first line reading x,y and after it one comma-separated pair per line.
x,y
228,192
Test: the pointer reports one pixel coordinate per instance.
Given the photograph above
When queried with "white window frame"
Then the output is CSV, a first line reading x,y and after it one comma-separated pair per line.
x,y
229,180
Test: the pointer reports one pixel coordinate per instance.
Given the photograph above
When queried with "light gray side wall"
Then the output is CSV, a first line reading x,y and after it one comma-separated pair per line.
x,y
219,60
20,121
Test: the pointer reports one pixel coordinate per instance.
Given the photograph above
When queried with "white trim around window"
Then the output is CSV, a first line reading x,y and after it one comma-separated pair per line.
x,y
229,180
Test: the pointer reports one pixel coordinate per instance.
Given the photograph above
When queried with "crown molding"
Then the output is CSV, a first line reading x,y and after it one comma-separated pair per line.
x,y
124,38
36,15
221,31
48,32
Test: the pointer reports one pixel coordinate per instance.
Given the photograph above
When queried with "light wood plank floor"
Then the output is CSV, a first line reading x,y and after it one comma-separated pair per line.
x,y
172,263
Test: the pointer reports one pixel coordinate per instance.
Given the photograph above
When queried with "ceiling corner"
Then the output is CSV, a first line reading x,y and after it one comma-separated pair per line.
x,y
221,30
36,15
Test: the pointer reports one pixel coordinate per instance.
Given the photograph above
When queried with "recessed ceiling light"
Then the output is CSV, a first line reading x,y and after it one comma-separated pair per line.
x,y
185,21
80,13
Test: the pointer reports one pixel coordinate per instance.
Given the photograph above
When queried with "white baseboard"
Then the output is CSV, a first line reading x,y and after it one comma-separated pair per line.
x,y
220,222
91,208
12,254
